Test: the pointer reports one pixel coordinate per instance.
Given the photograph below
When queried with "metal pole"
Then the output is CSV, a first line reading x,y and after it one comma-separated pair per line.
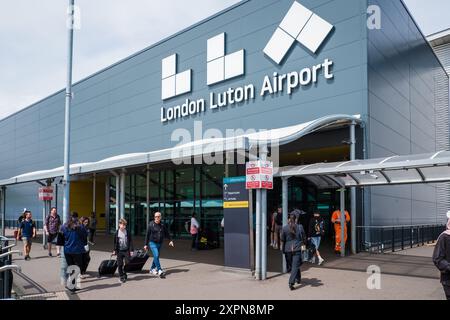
x,y
117,200
44,208
258,235
94,194
263,157
2,200
122,195
147,219
353,189
285,186
342,191
66,179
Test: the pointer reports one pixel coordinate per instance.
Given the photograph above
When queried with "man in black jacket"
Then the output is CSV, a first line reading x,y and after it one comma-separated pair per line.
x,y
123,248
154,239
441,258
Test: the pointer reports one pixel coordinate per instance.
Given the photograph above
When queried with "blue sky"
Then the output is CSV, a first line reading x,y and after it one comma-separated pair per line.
x,y
33,37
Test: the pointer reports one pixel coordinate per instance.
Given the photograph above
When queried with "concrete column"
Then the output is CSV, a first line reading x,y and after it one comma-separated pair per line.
x,y
285,189
342,194
353,190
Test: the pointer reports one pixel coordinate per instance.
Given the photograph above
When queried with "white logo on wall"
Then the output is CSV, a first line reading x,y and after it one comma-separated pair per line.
x,y
221,67
299,25
173,83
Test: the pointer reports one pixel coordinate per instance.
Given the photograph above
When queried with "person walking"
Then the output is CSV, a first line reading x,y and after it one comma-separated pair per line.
x,y
292,241
316,232
19,222
194,230
74,234
336,220
156,232
441,258
123,248
278,223
92,227
27,231
51,228
84,223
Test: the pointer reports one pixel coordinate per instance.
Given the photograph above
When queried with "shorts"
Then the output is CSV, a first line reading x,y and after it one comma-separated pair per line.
x,y
26,241
51,237
316,242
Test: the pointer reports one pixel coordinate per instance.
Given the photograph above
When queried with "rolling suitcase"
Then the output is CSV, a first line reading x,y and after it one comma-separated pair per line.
x,y
136,261
107,267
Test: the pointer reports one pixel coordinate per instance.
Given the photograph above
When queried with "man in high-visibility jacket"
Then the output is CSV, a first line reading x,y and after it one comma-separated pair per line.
x,y
336,220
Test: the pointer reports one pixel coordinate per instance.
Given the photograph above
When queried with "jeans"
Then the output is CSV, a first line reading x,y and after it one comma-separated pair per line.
x,y
447,291
156,248
86,259
316,242
195,241
122,256
91,235
295,271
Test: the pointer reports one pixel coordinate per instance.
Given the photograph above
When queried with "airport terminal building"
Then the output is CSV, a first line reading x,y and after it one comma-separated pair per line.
x,y
258,65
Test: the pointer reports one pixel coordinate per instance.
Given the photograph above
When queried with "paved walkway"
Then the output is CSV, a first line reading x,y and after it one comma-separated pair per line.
x,y
200,275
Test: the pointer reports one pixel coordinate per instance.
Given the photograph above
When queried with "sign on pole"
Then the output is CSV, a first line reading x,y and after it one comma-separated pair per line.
x,y
259,175
46,193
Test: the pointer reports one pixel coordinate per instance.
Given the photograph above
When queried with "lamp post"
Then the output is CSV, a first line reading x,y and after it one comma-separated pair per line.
x,y
66,179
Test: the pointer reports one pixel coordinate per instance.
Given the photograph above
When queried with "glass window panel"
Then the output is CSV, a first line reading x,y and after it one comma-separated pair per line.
x,y
403,175
436,172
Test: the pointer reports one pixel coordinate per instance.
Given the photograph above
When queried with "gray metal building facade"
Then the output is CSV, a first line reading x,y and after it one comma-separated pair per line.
x,y
391,77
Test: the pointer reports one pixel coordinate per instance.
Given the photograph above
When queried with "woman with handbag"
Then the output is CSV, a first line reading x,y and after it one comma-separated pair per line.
x,y
292,242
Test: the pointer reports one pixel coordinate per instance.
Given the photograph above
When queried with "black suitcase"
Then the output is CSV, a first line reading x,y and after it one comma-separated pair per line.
x,y
107,267
136,261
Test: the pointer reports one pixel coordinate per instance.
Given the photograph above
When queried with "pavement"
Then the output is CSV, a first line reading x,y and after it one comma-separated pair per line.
x,y
200,275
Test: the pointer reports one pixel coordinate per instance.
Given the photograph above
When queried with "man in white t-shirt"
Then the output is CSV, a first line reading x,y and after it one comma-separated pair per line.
x,y
195,228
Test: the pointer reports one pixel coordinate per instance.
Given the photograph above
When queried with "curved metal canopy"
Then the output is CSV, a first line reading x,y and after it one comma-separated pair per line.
x,y
196,148
409,169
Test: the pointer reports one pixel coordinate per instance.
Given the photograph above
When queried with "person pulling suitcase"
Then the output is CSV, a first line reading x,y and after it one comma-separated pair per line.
x,y
123,248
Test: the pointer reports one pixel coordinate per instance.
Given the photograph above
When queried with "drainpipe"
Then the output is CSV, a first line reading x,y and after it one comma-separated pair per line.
x,y
353,190
285,192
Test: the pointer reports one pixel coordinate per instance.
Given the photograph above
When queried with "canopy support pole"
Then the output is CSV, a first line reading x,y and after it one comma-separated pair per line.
x,y
122,195
342,199
285,192
263,156
353,190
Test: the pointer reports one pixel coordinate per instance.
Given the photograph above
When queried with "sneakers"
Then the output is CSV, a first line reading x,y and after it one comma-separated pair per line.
x,y
50,254
27,258
59,255
291,286
161,273
313,260
154,272
321,260
122,280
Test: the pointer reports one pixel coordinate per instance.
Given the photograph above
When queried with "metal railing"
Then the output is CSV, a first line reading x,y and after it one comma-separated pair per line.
x,y
383,239
6,266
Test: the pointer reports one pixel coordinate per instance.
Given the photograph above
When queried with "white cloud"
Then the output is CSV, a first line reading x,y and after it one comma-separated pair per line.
x,y
34,39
